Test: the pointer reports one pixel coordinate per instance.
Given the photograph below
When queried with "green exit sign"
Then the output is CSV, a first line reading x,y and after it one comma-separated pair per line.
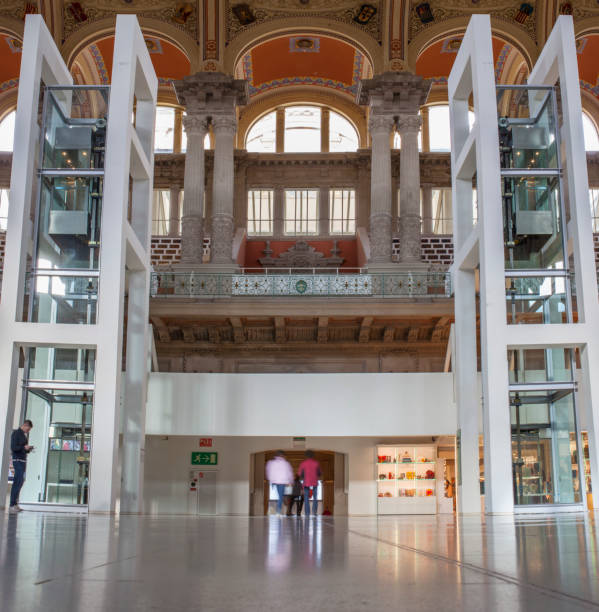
x,y
199,458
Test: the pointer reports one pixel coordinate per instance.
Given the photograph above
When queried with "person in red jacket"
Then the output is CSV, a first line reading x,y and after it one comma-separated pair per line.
x,y
309,471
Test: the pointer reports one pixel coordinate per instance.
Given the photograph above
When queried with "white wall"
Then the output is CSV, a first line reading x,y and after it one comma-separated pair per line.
x,y
301,404
249,413
167,468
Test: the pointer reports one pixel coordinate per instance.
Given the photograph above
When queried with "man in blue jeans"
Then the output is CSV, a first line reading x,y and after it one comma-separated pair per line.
x,y
20,448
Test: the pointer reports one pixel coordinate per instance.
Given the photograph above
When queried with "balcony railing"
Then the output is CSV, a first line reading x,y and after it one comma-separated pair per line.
x,y
302,283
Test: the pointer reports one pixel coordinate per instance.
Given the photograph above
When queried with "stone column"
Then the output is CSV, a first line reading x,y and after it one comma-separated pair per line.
x,y
409,190
280,130
175,213
380,189
324,211
224,128
325,130
178,129
213,95
426,139
192,221
391,95
278,212
427,209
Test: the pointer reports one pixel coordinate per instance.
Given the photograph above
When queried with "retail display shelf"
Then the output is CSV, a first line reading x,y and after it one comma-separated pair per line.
x,y
406,479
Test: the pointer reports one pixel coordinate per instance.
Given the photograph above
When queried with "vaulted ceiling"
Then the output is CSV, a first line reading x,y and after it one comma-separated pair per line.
x,y
305,60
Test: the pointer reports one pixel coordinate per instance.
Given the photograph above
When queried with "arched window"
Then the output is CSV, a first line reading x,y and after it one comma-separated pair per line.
x,y
7,132
342,134
302,132
302,129
591,137
164,131
261,138
438,127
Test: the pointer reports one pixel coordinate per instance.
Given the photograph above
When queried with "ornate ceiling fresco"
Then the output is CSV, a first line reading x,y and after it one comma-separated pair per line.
x,y
183,15
10,52
242,16
169,62
351,38
436,61
304,60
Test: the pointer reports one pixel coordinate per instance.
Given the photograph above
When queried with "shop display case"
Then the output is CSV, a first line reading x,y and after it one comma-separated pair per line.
x,y
406,479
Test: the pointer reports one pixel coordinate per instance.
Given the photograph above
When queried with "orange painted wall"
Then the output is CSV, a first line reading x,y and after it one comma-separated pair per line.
x,y
273,60
254,248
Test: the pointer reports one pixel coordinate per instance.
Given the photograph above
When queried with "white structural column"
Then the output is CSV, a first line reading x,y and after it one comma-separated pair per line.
x,y
40,60
467,395
192,220
477,152
129,155
409,189
224,127
558,64
381,199
124,244
136,378
391,96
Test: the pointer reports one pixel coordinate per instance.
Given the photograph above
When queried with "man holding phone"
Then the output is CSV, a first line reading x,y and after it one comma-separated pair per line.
x,y
20,448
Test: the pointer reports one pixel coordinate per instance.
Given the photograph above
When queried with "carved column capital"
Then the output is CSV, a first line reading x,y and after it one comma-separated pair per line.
x,y
409,124
380,123
195,125
224,123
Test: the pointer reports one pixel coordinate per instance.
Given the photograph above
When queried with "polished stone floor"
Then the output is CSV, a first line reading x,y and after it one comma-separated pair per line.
x,y
65,563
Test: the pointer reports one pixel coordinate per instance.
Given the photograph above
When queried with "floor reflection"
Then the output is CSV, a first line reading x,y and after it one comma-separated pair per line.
x,y
293,543
107,564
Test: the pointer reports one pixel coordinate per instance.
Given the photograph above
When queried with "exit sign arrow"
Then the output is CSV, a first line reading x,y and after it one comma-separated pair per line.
x,y
200,458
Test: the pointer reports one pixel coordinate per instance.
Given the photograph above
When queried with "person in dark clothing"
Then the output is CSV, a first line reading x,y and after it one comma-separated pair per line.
x,y
20,448
297,497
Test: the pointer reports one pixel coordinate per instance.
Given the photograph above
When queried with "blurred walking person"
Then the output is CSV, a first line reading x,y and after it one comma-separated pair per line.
x,y
279,473
309,471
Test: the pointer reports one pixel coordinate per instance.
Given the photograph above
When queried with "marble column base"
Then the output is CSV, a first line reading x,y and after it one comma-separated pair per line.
x,y
192,240
380,238
409,239
222,239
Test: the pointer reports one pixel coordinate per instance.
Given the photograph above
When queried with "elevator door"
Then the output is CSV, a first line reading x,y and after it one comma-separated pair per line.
x,y
206,484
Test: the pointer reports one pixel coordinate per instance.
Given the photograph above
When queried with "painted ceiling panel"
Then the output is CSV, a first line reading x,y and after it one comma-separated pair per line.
x,y
10,61
303,60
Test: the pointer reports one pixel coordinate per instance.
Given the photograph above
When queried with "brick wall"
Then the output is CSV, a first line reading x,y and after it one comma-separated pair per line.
x,y
437,249
2,247
596,244
166,250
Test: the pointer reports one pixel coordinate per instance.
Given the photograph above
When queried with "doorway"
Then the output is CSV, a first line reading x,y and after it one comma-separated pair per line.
x,y
332,496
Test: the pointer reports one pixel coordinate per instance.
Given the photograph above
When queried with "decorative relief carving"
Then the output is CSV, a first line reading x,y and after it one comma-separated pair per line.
x,y
224,123
344,11
409,237
380,123
504,10
192,240
301,255
409,124
222,238
182,15
195,125
380,238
